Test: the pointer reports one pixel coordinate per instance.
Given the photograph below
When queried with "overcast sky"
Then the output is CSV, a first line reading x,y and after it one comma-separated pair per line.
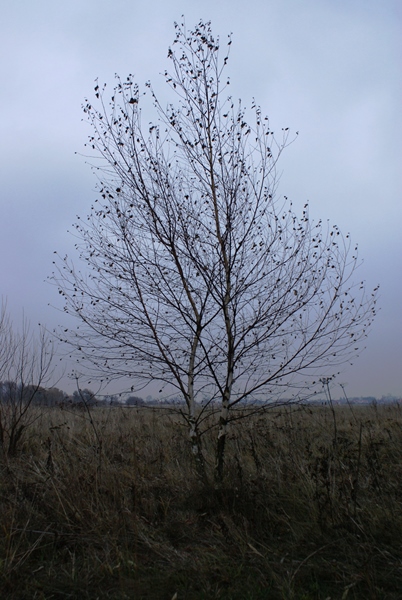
x,y
330,69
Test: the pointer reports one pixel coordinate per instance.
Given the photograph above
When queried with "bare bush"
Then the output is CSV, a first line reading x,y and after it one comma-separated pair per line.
x,y
25,366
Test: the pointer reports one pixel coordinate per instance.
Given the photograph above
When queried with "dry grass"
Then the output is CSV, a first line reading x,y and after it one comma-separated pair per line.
x,y
112,510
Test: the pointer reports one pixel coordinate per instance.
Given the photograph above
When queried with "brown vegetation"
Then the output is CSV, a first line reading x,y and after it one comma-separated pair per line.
x,y
107,505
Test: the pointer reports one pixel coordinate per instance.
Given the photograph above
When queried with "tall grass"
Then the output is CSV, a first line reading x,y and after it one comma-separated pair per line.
x,y
107,505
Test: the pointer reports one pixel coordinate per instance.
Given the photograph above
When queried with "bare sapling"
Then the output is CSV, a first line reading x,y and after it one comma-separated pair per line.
x,y
196,276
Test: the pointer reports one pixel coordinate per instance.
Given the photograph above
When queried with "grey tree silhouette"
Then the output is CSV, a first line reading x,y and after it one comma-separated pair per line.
x,y
197,276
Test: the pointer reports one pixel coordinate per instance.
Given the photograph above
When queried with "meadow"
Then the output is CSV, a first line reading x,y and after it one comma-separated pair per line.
x,y
105,505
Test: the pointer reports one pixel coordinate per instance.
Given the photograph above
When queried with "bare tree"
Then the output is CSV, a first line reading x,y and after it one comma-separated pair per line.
x,y
25,366
196,276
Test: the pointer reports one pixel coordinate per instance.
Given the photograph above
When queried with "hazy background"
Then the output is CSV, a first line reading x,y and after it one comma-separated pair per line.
x,y
330,69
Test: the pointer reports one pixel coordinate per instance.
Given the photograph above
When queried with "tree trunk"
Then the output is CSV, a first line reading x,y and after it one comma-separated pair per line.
x,y
196,450
220,444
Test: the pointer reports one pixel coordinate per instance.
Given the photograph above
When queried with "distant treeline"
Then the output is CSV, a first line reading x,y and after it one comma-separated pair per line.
x,y
10,392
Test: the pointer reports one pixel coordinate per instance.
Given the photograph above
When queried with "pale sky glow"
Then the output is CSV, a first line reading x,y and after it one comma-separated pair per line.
x,y
329,69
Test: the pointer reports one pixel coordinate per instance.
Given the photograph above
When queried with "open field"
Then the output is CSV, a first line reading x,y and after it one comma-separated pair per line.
x,y
310,508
